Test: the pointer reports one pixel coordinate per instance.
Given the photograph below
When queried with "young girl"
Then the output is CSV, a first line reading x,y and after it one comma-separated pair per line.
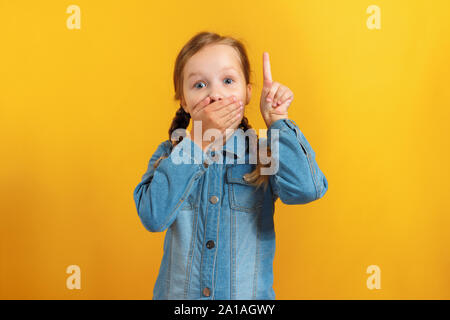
x,y
220,239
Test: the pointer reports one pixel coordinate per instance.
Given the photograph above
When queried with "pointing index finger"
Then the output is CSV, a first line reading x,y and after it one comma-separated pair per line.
x,y
266,67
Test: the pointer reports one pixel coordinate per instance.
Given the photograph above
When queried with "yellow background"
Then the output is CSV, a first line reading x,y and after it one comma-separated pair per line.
x,y
83,110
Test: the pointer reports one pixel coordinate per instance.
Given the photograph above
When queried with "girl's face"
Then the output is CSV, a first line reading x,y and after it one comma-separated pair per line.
x,y
214,71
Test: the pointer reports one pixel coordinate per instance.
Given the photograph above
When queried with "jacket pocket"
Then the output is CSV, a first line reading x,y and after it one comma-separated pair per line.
x,y
243,196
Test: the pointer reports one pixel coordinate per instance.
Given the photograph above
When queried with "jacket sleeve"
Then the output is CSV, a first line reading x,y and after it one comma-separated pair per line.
x,y
162,191
298,179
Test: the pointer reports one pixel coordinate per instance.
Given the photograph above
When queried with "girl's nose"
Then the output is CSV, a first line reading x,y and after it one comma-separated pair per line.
x,y
215,98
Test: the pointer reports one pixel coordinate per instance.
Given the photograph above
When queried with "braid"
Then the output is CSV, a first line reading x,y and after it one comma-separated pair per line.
x,y
181,120
255,177
244,125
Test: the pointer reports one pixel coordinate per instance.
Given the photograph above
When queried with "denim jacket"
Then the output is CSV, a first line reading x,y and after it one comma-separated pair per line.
x,y
220,239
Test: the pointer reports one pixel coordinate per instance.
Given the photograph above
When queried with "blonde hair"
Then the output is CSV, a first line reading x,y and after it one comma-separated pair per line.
x,y
182,119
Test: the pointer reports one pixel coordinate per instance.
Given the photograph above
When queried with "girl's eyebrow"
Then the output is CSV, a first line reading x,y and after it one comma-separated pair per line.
x,y
199,73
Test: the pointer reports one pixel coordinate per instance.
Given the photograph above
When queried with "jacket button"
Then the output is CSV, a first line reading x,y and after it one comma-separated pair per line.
x,y
210,244
205,164
206,292
213,199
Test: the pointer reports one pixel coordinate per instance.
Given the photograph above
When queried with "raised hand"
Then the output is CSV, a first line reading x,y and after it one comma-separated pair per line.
x,y
275,97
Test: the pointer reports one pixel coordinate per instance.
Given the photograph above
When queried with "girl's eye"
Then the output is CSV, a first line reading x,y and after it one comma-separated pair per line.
x,y
195,85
